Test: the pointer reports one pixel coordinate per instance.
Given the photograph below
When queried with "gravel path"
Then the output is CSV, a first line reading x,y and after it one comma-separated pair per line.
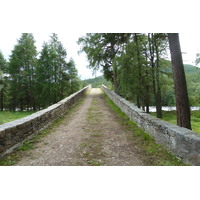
x,y
91,135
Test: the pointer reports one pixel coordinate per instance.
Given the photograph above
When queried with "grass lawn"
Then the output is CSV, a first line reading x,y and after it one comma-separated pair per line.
x,y
170,116
7,116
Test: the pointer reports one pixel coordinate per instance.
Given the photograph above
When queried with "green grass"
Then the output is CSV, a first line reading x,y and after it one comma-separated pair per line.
x,y
150,152
7,116
170,116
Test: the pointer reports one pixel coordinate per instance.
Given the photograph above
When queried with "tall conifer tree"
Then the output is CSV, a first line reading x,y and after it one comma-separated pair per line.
x,y
3,81
22,69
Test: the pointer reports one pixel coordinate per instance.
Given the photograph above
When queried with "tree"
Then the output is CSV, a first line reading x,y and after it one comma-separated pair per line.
x,y
3,81
44,77
72,74
140,68
156,50
132,62
21,69
101,49
131,66
182,101
56,78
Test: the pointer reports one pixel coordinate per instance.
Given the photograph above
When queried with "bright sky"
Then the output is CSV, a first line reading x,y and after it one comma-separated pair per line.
x,y
190,46
72,19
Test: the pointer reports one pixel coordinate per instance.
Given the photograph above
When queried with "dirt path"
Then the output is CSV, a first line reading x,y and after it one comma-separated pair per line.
x,y
91,135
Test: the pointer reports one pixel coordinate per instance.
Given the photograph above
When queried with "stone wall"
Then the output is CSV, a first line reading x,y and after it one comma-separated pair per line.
x,y
182,142
14,134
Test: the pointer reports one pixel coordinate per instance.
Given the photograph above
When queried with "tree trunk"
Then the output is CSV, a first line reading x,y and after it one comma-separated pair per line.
x,y
115,81
158,104
147,99
147,96
158,92
181,94
155,74
1,99
139,71
152,51
138,101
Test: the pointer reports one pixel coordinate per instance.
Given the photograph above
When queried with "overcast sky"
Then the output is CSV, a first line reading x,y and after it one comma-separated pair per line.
x,y
72,19
190,46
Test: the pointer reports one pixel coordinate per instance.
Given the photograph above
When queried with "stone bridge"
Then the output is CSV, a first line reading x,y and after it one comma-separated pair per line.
x,y
97,133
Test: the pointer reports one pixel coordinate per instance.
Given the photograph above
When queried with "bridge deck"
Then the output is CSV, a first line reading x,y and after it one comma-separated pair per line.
x,y
90,135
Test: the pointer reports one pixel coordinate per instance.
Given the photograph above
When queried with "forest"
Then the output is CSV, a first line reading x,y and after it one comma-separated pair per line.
x,y
33,80
168,98
138,66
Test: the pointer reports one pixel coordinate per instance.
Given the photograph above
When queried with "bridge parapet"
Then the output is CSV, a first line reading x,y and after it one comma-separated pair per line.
x,y
14,134
182,142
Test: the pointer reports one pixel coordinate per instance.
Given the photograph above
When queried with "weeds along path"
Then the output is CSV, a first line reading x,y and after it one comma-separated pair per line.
x,y
90,135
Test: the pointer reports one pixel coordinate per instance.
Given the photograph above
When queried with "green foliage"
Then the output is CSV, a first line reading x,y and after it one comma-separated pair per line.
x,y
3,82
21,69
3,63
132,62
32,82
193,84
127,76
51,72
192,74
138,68
56,77
101,49
72,74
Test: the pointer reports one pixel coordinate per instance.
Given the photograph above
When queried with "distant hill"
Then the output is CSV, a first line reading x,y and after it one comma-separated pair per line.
x,y
187,68
191,68
97,82
192,74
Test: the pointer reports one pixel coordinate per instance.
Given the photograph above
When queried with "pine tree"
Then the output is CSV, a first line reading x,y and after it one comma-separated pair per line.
x,y
44,77
3,81
72,74
56,78
101,49
58,56
22,69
